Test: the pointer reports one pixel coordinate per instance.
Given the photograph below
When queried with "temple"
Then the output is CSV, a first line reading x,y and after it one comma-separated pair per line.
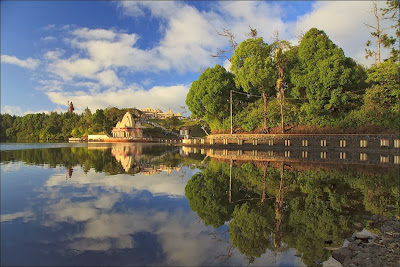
x,y
128,127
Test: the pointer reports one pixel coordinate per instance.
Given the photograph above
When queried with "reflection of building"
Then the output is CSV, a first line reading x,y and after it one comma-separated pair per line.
x,y
128,127
127,155
149,113
158,169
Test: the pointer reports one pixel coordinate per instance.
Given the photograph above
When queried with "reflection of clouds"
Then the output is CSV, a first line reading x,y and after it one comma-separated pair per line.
x,y
65,210
162,184
25,215
98,206
184,240
9,167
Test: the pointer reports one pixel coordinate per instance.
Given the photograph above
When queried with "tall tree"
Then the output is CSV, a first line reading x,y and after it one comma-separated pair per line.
x,y
207,97
280,61
254,70
324,77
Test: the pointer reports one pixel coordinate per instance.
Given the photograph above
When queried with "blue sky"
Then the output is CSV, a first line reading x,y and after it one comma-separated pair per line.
x,y
146,53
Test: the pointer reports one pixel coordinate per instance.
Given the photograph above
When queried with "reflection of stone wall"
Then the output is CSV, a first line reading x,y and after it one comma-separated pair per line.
x,y
384,158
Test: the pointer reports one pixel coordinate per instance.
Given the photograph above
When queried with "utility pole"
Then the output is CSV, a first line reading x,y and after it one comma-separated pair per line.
x,y
231,113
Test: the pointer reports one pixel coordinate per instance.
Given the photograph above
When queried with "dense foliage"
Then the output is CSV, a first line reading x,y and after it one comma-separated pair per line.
x,y
322,87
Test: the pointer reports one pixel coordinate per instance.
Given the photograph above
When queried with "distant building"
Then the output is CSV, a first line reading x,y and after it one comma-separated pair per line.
x,y
184,132
149,113
128,127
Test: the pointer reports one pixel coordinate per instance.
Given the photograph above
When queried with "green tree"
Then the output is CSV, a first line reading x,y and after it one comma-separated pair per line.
x,y
325,77
254,70
208,96
392,12
381,99
99,120
6,122
171,122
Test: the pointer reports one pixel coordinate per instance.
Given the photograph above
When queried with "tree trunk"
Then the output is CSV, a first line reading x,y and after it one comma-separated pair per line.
x,y
265,128
282,96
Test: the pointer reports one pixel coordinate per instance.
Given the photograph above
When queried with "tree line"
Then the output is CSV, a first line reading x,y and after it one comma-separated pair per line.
x,y
312,83
61,126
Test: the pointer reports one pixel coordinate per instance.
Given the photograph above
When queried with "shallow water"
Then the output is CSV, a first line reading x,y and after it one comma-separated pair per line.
x,y
143,204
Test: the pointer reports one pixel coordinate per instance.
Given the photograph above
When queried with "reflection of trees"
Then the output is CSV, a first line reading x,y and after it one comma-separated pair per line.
x,y
115,159
207,193
279,207
251,227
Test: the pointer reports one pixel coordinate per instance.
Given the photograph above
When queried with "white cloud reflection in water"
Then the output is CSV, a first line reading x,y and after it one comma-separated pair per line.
x,y
110,213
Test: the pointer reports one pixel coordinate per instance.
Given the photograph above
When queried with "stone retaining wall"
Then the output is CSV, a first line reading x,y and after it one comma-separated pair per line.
x,y
344,141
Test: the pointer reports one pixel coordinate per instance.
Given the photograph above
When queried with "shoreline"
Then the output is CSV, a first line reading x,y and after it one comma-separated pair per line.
x,y
370,250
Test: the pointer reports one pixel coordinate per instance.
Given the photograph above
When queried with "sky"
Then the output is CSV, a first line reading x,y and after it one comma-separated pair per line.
x,y
125,54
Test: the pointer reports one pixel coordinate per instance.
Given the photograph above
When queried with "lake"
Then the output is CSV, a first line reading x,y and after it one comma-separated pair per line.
x,y
151,204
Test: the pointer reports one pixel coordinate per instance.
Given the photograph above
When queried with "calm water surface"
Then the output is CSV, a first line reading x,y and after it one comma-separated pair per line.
x,y
141,204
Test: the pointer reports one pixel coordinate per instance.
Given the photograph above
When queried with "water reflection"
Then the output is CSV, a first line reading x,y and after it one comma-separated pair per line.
x,y
275,206
140,204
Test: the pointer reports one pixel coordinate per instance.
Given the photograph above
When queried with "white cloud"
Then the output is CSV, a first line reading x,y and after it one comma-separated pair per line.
x,y
134,96
227,65
20,111
28,63
53,54
51,85
109,78
147,81
94,34
48,38
49,27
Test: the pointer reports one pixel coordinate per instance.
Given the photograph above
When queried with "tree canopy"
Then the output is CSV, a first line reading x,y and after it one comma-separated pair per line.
x,y
208,96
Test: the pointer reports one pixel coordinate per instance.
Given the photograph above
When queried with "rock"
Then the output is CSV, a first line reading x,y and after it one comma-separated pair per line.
x,y
358,226
353,246
331,248
318,262
342,254
362,237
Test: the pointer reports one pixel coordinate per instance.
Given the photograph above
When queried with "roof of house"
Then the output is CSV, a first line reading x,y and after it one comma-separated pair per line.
x,y
185,128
